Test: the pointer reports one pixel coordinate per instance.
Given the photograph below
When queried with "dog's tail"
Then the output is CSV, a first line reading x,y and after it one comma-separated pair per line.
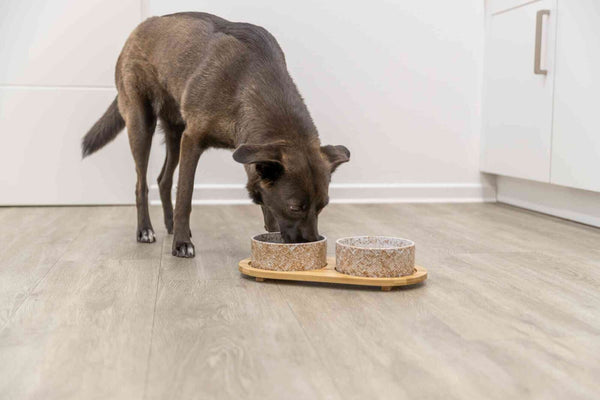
x,y
104,130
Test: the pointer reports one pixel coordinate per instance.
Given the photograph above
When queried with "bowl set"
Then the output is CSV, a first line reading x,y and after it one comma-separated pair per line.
x,y
360,260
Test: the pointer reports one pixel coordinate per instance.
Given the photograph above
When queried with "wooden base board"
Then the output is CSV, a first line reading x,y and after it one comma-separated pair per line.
x,y
330,275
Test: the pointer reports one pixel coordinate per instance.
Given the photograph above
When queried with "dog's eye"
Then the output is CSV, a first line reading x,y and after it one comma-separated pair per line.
x,y
296,208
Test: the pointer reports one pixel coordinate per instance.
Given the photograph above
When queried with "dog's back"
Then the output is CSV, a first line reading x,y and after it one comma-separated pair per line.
x,y
172,49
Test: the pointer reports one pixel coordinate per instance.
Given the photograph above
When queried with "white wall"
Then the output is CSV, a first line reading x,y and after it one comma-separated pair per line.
x,y
56,79
396,82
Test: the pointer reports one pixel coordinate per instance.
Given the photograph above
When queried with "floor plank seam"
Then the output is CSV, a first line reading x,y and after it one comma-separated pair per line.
x,y
333,380
30,291
158,277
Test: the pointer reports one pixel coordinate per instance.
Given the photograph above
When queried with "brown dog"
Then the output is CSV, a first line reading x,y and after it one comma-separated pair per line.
x,y
215,83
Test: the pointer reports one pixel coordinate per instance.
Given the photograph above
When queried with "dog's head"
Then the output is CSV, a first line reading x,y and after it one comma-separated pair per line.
x,y
291,183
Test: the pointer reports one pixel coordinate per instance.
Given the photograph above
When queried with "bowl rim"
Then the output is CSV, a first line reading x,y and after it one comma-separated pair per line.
x,y
322,240
410,243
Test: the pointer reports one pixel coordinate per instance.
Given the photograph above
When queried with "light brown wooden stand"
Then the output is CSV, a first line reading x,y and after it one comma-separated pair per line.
x,y
330,275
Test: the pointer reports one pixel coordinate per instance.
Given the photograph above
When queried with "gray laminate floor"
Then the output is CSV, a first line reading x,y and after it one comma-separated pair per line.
x,y
511,310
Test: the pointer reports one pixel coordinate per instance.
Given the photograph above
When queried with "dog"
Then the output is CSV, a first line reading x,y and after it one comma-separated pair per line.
x,y
213,83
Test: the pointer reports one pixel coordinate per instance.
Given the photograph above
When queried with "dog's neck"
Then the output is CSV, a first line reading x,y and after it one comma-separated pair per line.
x,y
272,110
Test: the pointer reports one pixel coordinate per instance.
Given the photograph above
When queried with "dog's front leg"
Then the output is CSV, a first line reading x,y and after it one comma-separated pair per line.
x,y
190,151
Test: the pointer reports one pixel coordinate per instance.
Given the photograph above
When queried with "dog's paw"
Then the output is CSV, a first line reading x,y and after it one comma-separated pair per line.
x,y
183,249
146,235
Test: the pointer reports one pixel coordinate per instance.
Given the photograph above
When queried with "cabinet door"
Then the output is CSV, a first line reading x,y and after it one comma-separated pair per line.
x,y
517,101
576,132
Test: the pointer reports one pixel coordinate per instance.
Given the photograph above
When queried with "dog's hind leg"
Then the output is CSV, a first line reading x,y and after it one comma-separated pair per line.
x,y
141,122
165,179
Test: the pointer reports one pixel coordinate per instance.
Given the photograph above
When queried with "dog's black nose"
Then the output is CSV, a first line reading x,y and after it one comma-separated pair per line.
x,y
300,233
309,232
288,237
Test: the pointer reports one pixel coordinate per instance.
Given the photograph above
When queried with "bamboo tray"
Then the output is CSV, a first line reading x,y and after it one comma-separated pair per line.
x,y
330,275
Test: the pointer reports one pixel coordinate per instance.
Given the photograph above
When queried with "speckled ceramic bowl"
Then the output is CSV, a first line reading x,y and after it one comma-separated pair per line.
x,y
375,256
270,252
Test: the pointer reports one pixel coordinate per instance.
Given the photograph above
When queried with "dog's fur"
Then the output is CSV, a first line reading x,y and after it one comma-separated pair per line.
x,y
215,83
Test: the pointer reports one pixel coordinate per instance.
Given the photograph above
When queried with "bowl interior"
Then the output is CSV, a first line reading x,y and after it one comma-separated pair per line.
x,y
275,238
375,242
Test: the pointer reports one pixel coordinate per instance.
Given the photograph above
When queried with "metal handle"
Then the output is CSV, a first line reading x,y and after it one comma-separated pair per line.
x,y
537,69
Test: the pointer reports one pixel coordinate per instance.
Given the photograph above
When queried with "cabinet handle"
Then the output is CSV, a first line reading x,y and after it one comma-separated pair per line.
x,y
537,69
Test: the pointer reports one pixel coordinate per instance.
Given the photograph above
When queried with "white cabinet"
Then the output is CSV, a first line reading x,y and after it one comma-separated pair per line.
x,y
517,101
576,131
543,127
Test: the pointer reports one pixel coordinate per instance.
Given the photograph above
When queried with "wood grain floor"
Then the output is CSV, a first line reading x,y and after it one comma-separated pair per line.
x,y
511,310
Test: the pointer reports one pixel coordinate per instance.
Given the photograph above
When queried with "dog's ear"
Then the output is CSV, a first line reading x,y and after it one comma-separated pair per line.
x,y
265,157
336,155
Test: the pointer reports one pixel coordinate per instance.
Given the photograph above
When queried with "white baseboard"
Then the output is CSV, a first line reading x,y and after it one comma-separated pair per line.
x,y
574,204
355,193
